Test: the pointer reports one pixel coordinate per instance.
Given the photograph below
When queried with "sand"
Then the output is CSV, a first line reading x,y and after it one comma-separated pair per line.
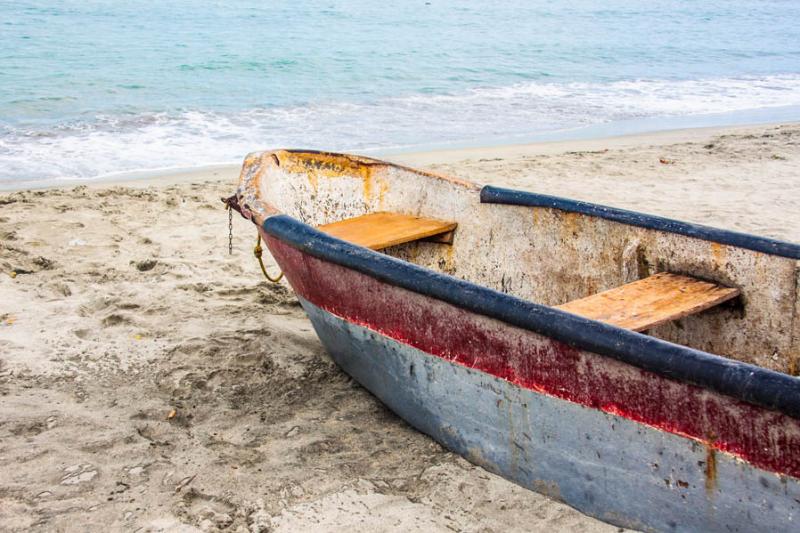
x,y
151,381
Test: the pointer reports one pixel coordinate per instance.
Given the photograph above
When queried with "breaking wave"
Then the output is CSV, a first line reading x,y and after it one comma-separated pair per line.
x,y
109,145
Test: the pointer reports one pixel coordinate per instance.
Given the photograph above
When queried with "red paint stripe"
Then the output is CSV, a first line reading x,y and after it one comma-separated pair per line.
x,y
767,439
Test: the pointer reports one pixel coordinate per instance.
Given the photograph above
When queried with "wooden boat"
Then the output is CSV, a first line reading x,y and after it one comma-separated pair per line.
x,y
637,368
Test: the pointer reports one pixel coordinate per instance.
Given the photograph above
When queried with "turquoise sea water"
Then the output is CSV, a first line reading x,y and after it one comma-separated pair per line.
x,y
94,87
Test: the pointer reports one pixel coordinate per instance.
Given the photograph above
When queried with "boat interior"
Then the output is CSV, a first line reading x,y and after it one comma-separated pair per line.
x,y
720,298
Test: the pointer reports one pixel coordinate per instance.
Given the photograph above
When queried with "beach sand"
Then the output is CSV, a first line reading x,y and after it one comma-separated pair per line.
x,y
150,381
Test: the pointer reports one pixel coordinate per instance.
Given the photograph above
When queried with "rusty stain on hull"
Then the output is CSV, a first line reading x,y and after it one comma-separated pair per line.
x,y
718,251
383,189
794,350
711,469
326,165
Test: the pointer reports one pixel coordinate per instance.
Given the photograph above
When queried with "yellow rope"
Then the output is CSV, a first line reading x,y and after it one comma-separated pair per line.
x,y
258,251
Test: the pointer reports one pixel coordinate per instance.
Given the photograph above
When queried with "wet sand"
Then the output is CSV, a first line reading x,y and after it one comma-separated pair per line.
x,y
151,381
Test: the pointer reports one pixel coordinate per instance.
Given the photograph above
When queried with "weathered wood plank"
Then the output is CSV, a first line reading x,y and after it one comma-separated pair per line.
x,y
382,230
652,301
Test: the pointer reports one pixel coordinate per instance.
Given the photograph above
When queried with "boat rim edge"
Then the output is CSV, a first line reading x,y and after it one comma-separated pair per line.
x,y
503,196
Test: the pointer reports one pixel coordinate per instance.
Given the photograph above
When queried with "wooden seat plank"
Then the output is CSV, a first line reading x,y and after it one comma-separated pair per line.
x,y
652,301
382,230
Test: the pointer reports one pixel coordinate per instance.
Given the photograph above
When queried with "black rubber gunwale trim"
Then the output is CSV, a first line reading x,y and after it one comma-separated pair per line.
x,y
499,195
742,381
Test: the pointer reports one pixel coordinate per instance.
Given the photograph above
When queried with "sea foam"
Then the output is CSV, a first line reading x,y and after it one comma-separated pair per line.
x,y
109,145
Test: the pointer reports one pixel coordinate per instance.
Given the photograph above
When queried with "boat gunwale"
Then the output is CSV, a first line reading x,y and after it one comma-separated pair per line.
x,y
742,381
371,161
503,196
490,194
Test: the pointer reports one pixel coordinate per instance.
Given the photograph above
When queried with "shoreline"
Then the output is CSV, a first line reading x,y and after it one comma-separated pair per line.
x,y
441,155
553,147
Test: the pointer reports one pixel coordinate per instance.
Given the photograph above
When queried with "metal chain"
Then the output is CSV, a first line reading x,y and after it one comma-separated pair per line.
x,y
257,251
230,230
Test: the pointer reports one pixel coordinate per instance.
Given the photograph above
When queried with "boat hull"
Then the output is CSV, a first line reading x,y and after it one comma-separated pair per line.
x,y
617,442
605,465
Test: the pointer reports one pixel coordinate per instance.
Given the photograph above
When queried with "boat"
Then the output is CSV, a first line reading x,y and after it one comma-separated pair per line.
x,y
637,368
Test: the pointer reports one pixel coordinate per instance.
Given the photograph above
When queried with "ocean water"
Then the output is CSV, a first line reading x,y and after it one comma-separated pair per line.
x,y
93,88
